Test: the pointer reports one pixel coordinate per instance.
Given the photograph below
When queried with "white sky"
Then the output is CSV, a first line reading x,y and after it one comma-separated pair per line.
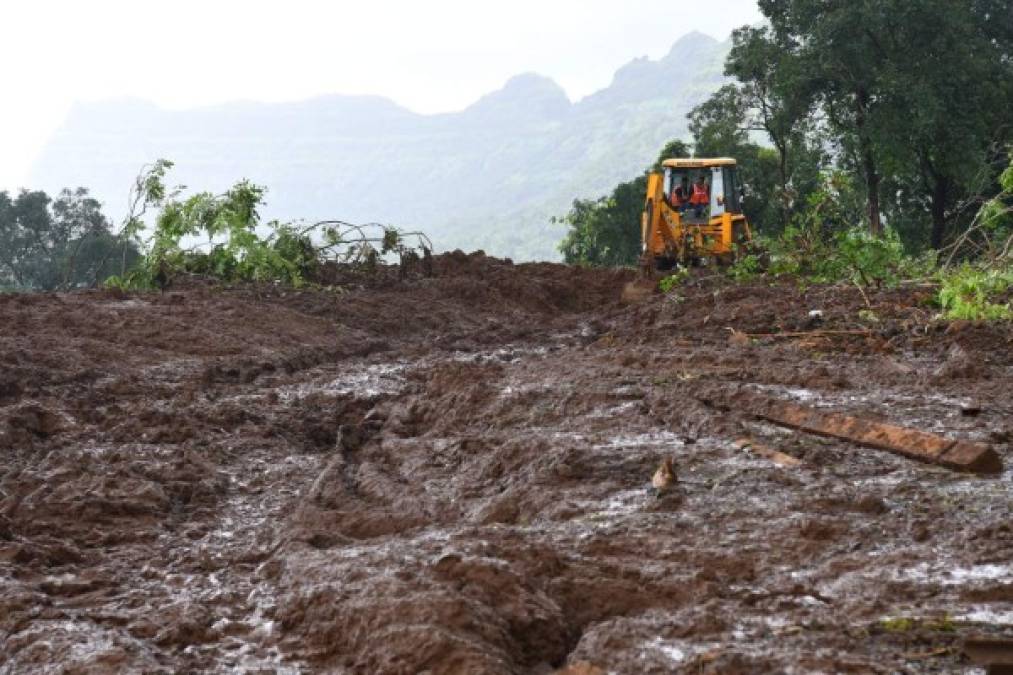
x,y
428,55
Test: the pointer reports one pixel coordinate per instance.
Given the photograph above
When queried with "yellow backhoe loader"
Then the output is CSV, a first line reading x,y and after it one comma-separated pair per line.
x,y
692,214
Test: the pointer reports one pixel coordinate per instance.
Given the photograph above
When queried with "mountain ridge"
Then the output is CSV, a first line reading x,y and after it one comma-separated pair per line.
x,y
490,175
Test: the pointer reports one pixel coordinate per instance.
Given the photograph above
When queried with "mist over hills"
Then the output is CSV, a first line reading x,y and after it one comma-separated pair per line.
x,y
490,176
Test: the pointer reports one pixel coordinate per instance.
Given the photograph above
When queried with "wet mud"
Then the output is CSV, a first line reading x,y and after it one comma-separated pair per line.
x,y
453,474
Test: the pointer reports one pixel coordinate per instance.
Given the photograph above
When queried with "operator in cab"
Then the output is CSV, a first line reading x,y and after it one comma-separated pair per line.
x,y
701,197
681,195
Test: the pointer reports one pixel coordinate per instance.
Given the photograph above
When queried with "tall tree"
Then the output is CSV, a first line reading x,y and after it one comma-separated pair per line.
x,y
837,44
26,249
916,91
946,96
776,99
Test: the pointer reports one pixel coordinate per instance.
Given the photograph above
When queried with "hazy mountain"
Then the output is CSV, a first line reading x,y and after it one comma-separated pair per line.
x,y
489,176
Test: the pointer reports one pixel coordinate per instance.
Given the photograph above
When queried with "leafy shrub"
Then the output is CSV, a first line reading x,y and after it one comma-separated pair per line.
x,y
236,245
745,267
673,280
824,244
997,214
974,293
853,255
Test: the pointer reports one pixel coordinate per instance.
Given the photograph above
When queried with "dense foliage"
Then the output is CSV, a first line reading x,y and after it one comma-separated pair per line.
x,y
820,247
48,244
975,293
917,116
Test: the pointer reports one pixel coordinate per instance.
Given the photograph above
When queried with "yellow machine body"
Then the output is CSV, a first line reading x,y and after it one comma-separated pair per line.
x,y
673,233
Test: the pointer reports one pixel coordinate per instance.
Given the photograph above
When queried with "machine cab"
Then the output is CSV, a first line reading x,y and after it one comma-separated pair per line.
x,y
698,201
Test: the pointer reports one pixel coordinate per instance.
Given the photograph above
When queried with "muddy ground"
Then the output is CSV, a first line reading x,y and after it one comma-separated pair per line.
x,y
452,475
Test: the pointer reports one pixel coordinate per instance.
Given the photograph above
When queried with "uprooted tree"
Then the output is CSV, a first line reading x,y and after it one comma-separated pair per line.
x,y
222,236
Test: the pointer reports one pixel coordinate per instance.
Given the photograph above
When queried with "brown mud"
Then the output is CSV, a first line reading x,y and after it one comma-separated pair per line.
x,y
452,474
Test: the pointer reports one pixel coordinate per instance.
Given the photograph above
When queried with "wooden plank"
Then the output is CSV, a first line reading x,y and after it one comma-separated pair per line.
x,y
920,445
779,458
993,652
809,333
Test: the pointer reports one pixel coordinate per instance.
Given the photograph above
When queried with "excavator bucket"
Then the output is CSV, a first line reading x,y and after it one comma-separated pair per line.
x,y
645,284
638,290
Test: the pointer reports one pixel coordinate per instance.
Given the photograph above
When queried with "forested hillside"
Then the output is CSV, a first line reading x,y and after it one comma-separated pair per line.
x,y
490,176
852,120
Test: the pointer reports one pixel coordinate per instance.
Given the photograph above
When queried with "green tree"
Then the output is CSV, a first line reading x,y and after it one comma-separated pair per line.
x,y
25,249
915,94
836,45
47,244
89,254
946,101
775,98
720,128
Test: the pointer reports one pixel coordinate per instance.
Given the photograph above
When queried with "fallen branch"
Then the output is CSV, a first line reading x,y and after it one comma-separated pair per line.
x,y
996,652
810,333
920,445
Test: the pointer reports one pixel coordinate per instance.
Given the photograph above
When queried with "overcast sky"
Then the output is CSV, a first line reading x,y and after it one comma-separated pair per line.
x,y
430,56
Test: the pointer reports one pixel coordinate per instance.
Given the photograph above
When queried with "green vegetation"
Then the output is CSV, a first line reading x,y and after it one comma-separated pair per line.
x,y
222,237
907,127
905,624
974,293
917,118
603,231
872,146
223,229
823,244
48,244
673,281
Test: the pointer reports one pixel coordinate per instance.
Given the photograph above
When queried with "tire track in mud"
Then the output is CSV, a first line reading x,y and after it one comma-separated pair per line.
x,y
463,486
535,520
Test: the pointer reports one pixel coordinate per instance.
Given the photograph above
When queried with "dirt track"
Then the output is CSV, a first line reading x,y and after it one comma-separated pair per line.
x,y
452,475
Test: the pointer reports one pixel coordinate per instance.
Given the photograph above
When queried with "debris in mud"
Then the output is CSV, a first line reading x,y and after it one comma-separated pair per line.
x,y
996,653
958,365
960,455
449,474
776,456
664,478
34,419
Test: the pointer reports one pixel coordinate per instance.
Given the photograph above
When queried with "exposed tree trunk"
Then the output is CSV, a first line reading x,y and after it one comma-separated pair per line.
x,y
869,167
872,187
782,152
940,193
